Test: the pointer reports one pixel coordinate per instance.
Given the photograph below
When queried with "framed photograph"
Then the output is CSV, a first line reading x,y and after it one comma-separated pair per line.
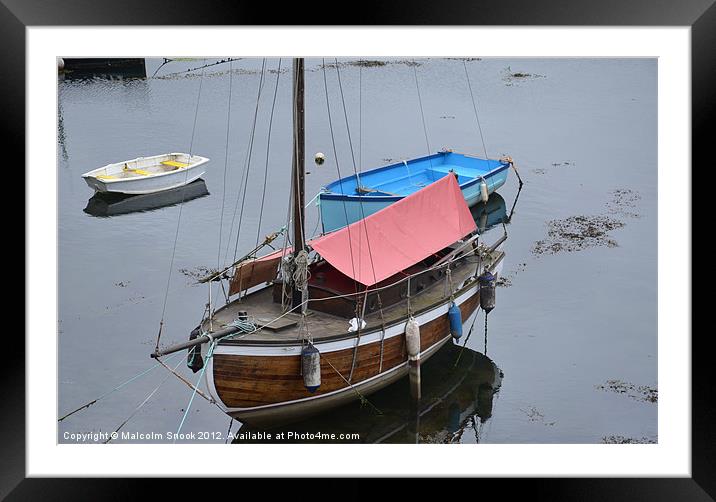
x,y
409,250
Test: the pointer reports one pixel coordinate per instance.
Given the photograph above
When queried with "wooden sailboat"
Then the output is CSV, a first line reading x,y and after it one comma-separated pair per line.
x,y
331,320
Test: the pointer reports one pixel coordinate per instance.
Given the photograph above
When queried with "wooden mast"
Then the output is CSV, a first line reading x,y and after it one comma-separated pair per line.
x,y
298,173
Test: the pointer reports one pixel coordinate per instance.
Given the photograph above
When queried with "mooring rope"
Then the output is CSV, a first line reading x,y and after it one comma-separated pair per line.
x,y
469,333
209,354
136,410
115,389
228,432
363,399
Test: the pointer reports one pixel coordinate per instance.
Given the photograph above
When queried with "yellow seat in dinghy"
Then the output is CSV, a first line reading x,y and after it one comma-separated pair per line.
x,y
174,163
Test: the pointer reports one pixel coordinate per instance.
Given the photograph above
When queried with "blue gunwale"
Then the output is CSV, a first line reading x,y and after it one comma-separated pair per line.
x,y
328,194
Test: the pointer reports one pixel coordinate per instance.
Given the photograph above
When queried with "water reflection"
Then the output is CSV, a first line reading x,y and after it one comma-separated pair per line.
x,y
491,214
455,399
113,204
104,68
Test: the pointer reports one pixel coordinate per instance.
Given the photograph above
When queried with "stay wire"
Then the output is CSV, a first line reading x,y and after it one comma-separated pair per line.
x,y
181,207
422,117
268,148
338,168
226,163
355,173
474,107
247,166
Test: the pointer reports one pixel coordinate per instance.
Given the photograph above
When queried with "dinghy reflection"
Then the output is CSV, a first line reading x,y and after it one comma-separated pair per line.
x,y
104,204
489,215
457,389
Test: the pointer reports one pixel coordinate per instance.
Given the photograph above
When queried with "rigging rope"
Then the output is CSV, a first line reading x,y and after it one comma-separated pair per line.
x,y
360,118
355,172
247,164
181,207
474,107
422,116
268,145
338,168
226,162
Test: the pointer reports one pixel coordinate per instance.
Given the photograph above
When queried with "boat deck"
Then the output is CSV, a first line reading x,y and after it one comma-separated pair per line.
x,y
261,309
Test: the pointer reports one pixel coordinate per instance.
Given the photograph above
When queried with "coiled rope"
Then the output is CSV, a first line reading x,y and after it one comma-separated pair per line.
x,y
300,269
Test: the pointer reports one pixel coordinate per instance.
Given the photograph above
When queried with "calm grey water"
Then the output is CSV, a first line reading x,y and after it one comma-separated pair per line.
x,y
574,334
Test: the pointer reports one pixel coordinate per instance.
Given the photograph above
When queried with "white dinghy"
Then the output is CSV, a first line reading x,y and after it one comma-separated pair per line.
x,y
147,174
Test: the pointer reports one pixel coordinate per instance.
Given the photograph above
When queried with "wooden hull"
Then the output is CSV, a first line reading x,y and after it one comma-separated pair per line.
x,y
263,386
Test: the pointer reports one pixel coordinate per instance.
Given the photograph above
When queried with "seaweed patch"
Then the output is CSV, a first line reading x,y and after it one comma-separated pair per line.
x,y
198,273
624,203
577,233
616,439
534,415
363,63
515,77
640,393
503,282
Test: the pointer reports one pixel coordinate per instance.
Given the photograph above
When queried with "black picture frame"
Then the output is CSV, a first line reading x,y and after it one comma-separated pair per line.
x,y
700,15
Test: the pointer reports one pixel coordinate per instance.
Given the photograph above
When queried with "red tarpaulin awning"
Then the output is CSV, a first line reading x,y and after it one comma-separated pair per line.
x,y
401,235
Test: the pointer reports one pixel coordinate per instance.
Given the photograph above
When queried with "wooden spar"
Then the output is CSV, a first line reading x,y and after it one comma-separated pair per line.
x,y
191,385
196,341
298,174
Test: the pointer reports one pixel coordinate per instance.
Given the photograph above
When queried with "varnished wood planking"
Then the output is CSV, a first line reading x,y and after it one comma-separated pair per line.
x,y
247,381
253,273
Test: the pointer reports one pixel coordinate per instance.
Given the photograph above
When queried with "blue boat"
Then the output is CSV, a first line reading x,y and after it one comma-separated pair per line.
x,y
352,198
